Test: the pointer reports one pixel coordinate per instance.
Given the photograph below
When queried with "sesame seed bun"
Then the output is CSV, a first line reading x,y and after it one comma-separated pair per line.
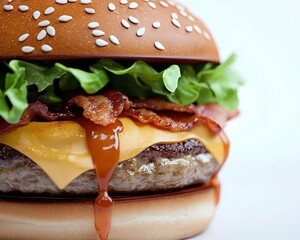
x,y
173,216
163,31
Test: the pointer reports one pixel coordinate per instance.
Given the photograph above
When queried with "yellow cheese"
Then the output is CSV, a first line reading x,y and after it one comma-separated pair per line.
x,y
60,148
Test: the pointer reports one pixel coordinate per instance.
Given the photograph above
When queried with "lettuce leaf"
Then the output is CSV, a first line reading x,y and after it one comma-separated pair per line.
x,y
91,82
13,95
223,83
142,76
23,82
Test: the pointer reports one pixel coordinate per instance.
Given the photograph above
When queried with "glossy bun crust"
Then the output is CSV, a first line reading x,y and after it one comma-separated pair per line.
x,y
163,31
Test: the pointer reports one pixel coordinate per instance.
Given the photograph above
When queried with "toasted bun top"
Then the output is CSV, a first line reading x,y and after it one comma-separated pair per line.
x,y
121,29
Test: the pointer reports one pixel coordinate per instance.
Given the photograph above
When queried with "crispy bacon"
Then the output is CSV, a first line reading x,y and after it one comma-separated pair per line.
x,y
216,113
104,110
161,105
6,127
40,111
174,122
35,112
213,111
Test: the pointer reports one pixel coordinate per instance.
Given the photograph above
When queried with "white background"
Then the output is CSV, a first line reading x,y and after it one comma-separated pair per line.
x,y
260,181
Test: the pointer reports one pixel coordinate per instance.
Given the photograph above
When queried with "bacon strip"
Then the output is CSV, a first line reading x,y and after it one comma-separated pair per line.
x,y
213,111
36,111
172,122
216,113
102,109
106,108
157,104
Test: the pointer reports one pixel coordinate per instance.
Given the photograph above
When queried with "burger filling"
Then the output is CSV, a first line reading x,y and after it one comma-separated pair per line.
x,y
166,97
162,167
22,83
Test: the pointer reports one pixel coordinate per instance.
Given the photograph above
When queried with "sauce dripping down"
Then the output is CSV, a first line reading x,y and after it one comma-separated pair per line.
x,y
104,146
216,185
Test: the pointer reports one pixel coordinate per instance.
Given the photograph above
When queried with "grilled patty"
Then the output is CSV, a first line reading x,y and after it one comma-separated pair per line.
x,y
162,167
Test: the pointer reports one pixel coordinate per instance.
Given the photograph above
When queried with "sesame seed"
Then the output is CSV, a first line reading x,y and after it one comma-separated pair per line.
x,y
114,40
124,2
206,35
49,10
9,1
8,7
90,10
72,1
27,49
42,34
176,23
159,46
112,7
125,23
23,37
84,2
183,13
189,29
23,8
92,25
152,4
44,23
65,18
191,18
51,31
133,20
101,43
171,2
61,2
36,15
133,5
164,4
180,7
141,31
46,48
98,33
174,15
198,29
156,25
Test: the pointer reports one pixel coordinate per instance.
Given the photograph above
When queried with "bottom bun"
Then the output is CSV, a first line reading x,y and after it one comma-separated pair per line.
x,y
178,215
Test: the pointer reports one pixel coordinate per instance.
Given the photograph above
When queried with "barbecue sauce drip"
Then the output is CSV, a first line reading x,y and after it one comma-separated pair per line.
x,y
216,185
104,146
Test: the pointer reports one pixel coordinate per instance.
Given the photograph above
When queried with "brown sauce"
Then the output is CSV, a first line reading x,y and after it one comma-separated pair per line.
x,y
103,143
216,185
104,146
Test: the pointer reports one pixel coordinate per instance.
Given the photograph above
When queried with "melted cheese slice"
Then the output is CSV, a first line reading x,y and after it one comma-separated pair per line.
x,y
60,148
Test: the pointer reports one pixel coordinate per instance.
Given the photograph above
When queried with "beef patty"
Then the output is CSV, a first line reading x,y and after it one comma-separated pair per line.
x,y
161,167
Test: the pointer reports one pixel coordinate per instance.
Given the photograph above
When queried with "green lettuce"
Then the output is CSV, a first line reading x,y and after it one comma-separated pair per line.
x,y
13,94
223,83
23,82
145,80
91,82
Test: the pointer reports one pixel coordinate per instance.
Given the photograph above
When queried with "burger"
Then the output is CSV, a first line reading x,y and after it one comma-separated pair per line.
x,y
111,120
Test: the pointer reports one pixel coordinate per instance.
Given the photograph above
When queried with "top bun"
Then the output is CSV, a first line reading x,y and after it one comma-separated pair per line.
x,y
149,30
